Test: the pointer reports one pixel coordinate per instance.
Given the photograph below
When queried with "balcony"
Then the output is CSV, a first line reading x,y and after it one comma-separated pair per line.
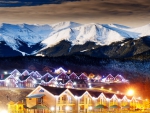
x,y
66,102
81,102
64,111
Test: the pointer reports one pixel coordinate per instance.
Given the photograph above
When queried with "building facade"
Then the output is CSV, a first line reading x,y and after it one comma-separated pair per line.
x,y
63,100
30,79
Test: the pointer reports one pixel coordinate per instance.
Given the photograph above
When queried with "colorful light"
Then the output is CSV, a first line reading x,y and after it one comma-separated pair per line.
x,y
130,92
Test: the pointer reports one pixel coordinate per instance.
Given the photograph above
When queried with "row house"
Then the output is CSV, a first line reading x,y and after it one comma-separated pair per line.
x,y
62,100
110,79
7,80
26,82
20,77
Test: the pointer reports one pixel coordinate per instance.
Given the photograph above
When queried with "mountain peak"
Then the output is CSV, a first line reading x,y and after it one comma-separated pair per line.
x,y
15,35
64,25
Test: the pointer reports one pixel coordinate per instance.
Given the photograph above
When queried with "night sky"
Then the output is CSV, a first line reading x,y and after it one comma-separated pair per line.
x,y
131,13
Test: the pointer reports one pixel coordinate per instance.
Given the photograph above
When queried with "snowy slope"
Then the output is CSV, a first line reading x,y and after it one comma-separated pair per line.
x,y
101,34
78,34
30,34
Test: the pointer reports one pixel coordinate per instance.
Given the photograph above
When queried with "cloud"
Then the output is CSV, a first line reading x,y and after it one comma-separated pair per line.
x,y
132,13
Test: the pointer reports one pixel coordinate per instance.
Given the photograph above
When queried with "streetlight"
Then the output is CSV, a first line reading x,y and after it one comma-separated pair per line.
x,y
130,92
5,72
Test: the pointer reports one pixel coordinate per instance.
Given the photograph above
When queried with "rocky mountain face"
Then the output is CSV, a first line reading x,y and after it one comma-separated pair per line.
x,y
122,49
69,38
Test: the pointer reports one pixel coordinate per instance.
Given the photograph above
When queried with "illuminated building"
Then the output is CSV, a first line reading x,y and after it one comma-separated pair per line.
x,y
60,100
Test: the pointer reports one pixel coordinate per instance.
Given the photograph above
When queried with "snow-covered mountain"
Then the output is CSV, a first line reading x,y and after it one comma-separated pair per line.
x,y
101,34
33,39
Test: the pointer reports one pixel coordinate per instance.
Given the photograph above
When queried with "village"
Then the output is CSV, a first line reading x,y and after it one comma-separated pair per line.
x,y
58,78
64,91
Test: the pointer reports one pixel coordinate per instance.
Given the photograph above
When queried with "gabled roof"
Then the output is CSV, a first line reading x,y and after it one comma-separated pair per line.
x,y
83,76
119,77
48,79
5,76
11,103
130,97
94,94
73,75
63,75
35,96
47,75
77,92
60,70
25,73
54,90
81,81
109,95
15,71
23,78
69,81
119,96
57,91
109,76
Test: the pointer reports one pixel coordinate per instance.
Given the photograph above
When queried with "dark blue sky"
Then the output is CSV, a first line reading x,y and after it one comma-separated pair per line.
x,y
18,3
126,12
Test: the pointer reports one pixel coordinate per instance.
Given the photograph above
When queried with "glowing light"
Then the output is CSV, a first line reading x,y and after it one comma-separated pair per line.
x,y
5,72
130,92
69,71
110,89
7,81
76,97
93,98
4,111
52,108
90,108
89,84
56,82
74,83
102,87
16,78
67,108
117,91
60,70
139,98
34,82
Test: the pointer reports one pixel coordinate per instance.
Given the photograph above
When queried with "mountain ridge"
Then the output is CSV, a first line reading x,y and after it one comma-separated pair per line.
x,y
34,39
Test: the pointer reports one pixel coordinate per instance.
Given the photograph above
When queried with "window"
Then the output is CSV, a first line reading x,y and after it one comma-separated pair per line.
x,y
40,100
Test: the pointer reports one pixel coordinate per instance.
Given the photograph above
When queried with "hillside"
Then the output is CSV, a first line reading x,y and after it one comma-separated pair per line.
x,y
15,95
